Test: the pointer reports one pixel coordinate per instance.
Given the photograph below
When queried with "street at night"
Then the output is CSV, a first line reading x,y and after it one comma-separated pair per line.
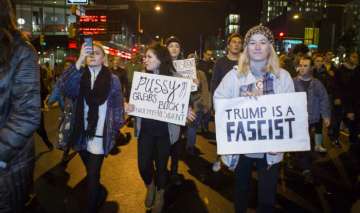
x,y
60,188
179,106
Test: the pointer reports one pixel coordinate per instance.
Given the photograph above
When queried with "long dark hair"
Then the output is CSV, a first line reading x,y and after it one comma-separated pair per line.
x,y
162,53
7,31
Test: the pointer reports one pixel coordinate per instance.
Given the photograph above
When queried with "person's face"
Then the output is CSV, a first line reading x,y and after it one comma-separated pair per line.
x,y
95,59
258,47
151,61
319,61
67,65
174,49
304,67
354,59
207,55
329,56
116,63
234,46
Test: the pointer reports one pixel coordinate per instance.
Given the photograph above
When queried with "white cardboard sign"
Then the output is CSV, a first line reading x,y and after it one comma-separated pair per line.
x,y
160,97
269,123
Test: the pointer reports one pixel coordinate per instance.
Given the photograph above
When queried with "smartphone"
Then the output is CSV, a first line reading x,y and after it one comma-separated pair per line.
x,y
89,45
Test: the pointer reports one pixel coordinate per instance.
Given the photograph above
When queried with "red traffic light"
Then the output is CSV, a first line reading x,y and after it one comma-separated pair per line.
x,y
134,50
281,34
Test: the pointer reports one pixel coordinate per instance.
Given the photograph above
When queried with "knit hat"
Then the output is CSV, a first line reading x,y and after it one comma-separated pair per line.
x,y
172,39
259,29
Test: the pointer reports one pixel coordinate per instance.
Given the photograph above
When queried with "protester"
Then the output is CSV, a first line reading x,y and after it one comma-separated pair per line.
x,y
318,107
19,112
173,44
257,63
222,67
97,117
346,94
154,146
119,70
206,65
326,77
41,131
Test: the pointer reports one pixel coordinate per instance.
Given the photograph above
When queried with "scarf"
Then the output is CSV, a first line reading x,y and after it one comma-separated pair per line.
x,y
93,98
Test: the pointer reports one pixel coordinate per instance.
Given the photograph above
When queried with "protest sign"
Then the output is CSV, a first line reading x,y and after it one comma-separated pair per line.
x,y
187,69
269,123
160,97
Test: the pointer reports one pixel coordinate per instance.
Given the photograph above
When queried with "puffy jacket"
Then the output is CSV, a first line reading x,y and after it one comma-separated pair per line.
x,y
19,101
70,84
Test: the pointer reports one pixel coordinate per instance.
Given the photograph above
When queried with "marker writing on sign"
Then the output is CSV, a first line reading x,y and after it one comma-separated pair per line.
x,y
156,85
281,128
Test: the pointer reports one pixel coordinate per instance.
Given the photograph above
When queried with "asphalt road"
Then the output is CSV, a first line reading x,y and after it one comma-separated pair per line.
x,y
60,187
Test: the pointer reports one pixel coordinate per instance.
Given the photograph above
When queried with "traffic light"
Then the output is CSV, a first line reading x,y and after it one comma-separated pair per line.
x,y
281,35
42,40
134,50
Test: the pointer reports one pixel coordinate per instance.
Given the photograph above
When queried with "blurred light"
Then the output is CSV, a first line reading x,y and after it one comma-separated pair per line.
x,y
21,21
157,37
296,16
158,8
281,34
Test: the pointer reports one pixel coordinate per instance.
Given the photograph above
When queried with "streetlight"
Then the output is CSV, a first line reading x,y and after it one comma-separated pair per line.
x,y
296,16
157,8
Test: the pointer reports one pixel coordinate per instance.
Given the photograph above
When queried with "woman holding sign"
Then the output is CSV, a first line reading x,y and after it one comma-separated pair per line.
x,y
258,73
155,137
98,114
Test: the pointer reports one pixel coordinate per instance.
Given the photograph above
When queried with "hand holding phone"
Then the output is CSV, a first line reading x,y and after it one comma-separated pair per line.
x,y
88,45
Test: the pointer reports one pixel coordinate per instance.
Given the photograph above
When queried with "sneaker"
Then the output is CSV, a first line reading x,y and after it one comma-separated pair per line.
x,y
159,201
150,195
216,166
320,148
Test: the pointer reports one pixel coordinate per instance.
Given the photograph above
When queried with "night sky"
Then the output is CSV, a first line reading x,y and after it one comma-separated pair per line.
x,y
189,21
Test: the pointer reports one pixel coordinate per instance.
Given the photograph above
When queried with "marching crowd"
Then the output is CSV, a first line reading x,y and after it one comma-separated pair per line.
x,y
93,97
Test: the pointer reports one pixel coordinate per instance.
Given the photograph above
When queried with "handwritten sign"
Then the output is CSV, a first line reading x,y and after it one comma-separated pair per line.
x,y
160,97
187,69
271,123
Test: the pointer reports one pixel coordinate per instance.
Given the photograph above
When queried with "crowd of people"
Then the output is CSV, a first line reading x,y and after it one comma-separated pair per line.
x,y
94,101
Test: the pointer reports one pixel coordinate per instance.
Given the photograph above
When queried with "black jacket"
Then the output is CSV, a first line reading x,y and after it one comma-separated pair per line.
x,y
19,102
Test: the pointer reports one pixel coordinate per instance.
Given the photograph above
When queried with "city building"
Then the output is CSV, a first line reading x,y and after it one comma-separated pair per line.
x,y
294,22
276,8
352,24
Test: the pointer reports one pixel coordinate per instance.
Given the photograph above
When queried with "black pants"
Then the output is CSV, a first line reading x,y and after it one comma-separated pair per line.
x,y
267,184
337,115
42,132
153,149
93,165
175,153
16,181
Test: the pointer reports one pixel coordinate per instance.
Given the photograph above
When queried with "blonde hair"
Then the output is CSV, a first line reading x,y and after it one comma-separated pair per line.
x,y
100,46
272,65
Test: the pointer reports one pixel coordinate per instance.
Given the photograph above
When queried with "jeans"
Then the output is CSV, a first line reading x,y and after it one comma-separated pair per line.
x,y
267,184
205,121
93,165
191,129
153,149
